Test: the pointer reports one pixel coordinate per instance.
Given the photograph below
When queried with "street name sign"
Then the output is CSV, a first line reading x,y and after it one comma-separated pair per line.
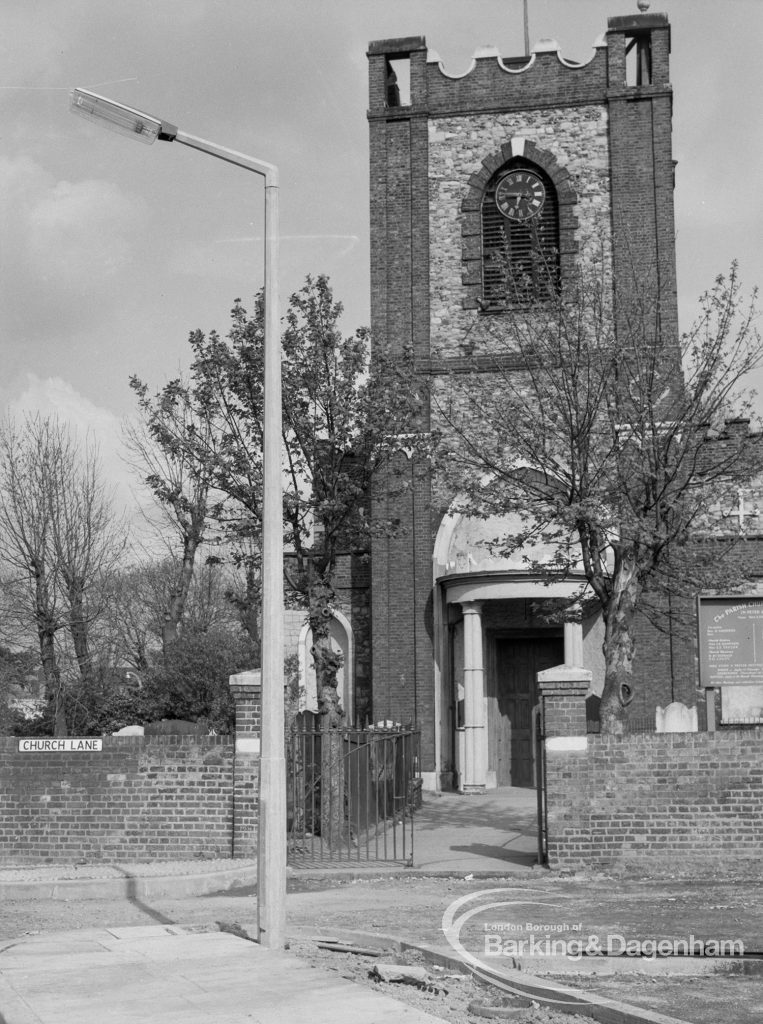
x,y
52,744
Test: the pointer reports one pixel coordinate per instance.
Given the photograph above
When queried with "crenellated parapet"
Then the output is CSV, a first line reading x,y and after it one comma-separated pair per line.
x,y
491,82
632,54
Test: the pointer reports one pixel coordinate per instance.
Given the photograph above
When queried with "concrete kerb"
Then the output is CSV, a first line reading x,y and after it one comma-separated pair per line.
x,y
131,885
515,982
201,883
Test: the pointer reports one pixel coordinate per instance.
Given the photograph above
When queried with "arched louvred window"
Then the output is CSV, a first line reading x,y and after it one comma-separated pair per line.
x,y
520,236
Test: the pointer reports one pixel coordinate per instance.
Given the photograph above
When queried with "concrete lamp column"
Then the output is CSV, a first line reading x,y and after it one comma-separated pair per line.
x,y
474,773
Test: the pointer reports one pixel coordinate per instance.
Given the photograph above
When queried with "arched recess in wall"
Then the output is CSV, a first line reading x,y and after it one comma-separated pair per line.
x,y
340,633
480,228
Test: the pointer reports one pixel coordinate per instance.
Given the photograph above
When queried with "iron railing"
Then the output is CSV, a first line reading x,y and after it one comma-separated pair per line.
x,y
351,794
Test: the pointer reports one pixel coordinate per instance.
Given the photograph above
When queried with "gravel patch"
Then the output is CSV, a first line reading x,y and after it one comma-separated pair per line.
x,y
451,995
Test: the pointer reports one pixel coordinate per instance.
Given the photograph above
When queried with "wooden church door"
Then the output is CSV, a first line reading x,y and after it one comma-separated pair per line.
x,y
512,693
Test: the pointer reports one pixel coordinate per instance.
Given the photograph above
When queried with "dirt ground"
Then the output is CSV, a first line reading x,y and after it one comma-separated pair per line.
x,y
411,908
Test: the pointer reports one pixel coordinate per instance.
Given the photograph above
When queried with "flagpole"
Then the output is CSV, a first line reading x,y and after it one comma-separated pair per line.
x,y
527,30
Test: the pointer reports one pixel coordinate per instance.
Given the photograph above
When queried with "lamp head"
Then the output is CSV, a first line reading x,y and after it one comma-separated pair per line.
x,y
118,118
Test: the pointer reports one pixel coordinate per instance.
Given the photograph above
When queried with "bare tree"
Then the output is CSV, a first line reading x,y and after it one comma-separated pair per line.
x,y
603,433
26,548
58,538
88,538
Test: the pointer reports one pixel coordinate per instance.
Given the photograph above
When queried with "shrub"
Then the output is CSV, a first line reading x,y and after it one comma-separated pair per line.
x,y
190,681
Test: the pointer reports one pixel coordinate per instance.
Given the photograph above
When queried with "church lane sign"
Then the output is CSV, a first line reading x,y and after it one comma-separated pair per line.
x,y
54,744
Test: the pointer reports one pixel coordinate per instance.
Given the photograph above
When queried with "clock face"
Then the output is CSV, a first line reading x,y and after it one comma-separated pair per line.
x,y
520,195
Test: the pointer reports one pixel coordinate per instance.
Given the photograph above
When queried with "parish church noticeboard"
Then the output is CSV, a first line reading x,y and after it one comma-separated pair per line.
x,y
730,640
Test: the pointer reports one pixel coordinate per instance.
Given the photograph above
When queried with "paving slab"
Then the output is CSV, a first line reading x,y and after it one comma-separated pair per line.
x,y
149,974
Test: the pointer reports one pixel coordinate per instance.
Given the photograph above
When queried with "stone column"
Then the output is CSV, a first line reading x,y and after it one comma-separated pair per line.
x,y
573,637
474,769
246,688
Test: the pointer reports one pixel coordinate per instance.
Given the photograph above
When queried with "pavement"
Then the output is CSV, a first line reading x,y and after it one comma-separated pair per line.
x,y
494,832
142,975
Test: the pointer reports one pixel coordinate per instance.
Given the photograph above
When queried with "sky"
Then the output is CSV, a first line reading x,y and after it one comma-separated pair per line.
x,y
111,252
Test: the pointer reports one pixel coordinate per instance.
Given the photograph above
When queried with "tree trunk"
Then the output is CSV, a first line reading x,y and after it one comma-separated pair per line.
x,y
53,686
327,663
176,604
619,646
46,632
78,629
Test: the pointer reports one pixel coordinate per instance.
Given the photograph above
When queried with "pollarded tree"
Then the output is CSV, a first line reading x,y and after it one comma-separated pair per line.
x,y
87,536
59,538
26,551
602,434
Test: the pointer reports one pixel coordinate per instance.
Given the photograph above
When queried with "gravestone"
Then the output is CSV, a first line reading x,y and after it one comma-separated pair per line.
x,y
676,717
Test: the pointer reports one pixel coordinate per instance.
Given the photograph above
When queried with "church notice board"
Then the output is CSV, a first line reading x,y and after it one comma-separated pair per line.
x,y
730,640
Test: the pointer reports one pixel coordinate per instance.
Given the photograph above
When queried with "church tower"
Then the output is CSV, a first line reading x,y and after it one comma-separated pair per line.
x,y
590,143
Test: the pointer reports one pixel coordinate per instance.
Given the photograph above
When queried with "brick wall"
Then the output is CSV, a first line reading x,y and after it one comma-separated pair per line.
x,y
665,803
662,803
138,798
157,797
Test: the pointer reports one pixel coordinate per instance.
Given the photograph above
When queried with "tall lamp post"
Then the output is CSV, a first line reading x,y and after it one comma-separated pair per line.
x,y
271,847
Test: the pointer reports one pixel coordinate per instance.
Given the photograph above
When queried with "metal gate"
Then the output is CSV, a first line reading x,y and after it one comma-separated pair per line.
x,y
351,794
540,781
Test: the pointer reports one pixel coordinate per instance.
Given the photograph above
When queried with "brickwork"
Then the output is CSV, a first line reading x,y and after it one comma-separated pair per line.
x,y
138,798
247,696
403,687
492,85
563,691
663,803
158,797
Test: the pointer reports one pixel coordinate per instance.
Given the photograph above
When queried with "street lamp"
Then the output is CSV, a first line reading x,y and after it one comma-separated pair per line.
x,y
271,847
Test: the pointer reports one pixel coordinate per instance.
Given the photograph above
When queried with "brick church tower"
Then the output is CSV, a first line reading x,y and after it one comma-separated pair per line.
x,y
451,631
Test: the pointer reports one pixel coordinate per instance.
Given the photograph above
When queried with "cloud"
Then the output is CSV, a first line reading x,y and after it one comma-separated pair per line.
x,y
61,240
55,397
224,257
80,231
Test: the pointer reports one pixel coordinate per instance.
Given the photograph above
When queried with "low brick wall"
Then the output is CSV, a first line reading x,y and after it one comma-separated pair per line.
x,y
662,803
139,798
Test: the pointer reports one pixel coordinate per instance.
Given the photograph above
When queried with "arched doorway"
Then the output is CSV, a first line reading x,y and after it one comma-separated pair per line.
x,y
493,634
340,634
